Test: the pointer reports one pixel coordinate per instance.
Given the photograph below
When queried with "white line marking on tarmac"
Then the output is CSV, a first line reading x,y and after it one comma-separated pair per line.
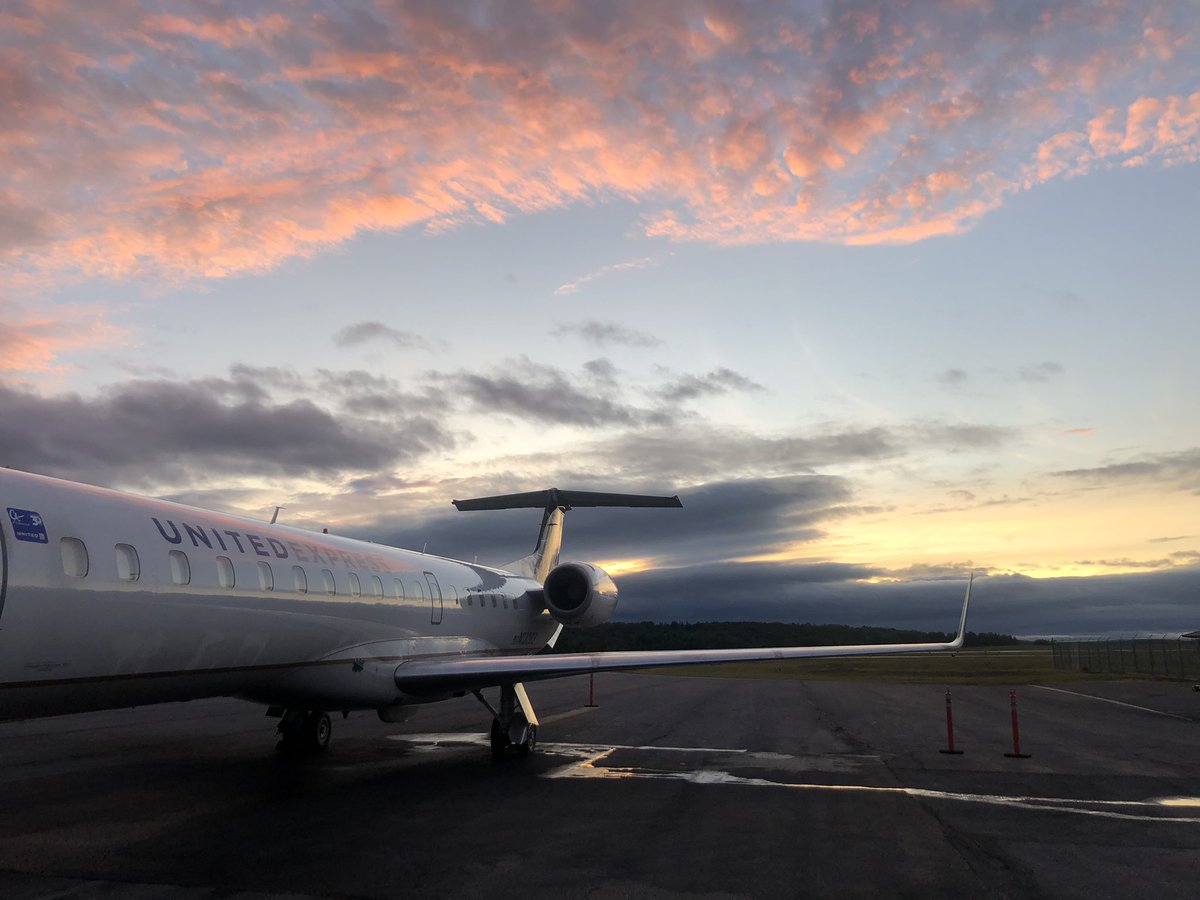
x,y
587,768
589,762
1157,712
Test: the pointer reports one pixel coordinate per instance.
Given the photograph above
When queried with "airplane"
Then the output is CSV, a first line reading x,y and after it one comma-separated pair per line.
x,y
110,600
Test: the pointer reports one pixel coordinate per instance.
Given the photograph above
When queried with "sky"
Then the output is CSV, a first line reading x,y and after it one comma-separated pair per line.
x,y
885,292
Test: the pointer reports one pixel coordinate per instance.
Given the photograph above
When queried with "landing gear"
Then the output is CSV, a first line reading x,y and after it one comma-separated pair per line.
x,y
304,732
514,728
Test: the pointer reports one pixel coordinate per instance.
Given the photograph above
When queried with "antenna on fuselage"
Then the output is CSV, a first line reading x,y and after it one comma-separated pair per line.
x,y
275,515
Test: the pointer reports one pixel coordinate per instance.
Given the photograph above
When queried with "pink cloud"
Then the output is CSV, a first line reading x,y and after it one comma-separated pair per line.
x,y
31,342
186,141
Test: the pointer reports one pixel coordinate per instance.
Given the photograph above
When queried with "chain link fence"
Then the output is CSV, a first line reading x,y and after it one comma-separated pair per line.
x,y
1162,657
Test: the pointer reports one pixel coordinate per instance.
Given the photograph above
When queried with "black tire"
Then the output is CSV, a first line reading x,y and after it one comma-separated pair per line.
x,y
500,742
318,730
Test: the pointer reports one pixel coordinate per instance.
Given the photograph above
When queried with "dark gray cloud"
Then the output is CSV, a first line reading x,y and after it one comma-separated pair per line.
x,y
718,521
604,334
545,394
1153,602
146,429
362,332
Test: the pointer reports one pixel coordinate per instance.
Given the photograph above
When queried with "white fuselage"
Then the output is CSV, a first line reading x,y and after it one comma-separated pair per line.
x,y
111,600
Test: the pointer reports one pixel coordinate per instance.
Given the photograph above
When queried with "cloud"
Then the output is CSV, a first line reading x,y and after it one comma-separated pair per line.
x,y
718,381
545,395
720,520
605,334
962,436
31,342
202,141
954,377
572,287
1180,469
1041,372
139,432
1154,602
362,332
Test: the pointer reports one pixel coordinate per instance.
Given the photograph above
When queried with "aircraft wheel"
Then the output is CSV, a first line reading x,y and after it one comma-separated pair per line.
x,y
530,742
318,731
500,742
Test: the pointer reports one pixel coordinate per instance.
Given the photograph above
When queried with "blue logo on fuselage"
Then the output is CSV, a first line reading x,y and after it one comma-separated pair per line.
x,y
28,525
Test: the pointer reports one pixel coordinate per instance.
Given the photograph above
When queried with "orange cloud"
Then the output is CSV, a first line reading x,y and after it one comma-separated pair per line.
x,y
30,343
186,142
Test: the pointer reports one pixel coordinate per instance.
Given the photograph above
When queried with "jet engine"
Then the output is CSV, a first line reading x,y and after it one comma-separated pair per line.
x,y
579,594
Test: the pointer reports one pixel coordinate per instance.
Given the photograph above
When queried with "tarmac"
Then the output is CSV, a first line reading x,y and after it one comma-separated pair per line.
x,y
669,787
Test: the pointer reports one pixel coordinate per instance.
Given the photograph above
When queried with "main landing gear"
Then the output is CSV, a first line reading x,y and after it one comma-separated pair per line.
x,y
303,732
514,726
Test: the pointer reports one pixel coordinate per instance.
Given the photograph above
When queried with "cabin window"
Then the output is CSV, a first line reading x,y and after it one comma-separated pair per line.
x,y
493,601
225,574
74,556
129,567
300,580
470,600
377,587
418,591
506,603
355,585
266,578
398,587
181,569
454,595
514,602
330,584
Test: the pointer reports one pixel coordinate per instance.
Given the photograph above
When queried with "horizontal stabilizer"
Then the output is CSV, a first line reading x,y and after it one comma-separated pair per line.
x,y
554,498
554,505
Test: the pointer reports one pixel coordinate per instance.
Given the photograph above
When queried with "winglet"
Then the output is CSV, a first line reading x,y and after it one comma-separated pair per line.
x,y
962,622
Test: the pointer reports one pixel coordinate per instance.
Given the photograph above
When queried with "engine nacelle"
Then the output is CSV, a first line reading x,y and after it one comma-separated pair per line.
x,y
579,594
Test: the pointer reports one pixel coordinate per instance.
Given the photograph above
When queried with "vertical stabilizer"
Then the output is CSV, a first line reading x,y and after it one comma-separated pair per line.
x,y
556,504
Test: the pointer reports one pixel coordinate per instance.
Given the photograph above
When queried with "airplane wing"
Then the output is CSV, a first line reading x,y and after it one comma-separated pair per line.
x,y
451,673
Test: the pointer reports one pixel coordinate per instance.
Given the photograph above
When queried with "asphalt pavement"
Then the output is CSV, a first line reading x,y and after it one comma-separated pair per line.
x,y
670,787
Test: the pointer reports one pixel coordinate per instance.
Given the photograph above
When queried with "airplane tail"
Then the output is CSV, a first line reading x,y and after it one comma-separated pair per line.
x,y
556,504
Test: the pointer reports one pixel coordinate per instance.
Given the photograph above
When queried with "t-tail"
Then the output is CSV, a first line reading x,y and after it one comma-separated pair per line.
x,y
555,504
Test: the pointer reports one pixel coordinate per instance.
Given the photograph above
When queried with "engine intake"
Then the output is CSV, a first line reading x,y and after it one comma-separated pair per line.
x,y
580,595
